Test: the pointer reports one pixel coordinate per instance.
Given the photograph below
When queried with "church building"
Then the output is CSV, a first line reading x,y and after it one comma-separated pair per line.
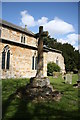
x,y
18,53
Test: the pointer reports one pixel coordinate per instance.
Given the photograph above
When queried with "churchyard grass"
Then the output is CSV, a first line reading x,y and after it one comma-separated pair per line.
x,y
66,108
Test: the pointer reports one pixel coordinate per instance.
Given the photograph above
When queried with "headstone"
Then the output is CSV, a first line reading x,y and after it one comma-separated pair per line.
x,y
68,78
77,85
78,81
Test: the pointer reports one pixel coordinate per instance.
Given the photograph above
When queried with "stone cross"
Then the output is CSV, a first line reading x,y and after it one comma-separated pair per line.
x,y
40,35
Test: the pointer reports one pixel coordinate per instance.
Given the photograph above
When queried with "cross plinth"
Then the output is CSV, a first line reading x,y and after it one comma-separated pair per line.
x,y
40,35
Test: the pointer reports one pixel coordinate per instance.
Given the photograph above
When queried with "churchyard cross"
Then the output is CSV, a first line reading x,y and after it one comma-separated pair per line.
x,y
39,88
40,35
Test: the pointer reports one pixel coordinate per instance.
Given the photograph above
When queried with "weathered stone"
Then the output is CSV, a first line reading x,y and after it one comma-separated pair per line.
x,y
52,56
39,94
56,95
39,82
68,78
21,57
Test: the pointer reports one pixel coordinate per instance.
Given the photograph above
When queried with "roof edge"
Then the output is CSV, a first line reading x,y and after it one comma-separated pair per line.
x,y
51,49
18,28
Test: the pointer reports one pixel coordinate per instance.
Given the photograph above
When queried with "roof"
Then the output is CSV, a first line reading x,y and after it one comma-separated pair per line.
x,y
26,31
51,49
18,28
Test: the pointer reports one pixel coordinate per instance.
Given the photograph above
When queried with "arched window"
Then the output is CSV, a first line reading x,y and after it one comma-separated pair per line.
x,y
0,32
8,60
34,61
3,60
22,39
6,57
57,61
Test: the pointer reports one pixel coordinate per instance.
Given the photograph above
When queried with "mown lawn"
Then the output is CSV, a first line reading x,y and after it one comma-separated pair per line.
x,y
15,108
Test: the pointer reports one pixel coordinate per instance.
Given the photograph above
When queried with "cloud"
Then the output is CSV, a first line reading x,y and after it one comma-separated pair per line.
x,y
55,26
71,39
58,26
42,21
27,19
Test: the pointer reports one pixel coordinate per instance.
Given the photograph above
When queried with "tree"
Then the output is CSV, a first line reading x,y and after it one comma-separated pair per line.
x,y
71,56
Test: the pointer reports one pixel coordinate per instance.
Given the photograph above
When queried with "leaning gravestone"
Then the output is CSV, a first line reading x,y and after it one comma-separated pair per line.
x,y
68,78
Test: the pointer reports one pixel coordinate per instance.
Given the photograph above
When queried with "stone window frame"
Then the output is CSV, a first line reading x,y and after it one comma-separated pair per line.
x,y
6,58
0,32
34,61
23,39
57,60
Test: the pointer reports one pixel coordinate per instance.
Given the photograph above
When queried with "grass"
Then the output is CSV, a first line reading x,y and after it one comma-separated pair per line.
x,y
15,108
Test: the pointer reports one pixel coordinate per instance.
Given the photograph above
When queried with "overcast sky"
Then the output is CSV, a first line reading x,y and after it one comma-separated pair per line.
x,y
60,19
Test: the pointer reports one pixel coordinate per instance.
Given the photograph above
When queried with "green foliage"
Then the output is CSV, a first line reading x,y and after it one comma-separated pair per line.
x,y
51,67
71,56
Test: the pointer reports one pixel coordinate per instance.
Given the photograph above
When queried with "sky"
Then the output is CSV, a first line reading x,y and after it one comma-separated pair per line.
x,y
60,19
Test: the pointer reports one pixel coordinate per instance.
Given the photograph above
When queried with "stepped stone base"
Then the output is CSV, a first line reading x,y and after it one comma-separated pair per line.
x,y
39,82
39,89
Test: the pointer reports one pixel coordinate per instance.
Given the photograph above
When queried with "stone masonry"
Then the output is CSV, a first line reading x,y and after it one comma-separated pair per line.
x,y
21,53
53,56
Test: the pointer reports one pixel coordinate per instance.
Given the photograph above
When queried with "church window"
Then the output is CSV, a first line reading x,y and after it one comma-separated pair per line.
x,y
22,39
57,61
3,60
6,58
34,63
0,32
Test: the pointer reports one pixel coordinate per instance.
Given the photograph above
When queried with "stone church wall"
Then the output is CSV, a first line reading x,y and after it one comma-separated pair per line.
x,y
12,35
21,57
20,62
53,56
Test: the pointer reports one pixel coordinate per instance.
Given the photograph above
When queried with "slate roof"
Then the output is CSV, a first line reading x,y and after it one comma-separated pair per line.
x,y
26,31
18,28
51,49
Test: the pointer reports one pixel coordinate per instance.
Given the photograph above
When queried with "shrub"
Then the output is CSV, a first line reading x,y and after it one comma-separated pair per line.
x,y
52,67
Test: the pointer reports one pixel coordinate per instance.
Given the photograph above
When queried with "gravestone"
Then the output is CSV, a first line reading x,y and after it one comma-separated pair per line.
x,y
68,78
78,81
